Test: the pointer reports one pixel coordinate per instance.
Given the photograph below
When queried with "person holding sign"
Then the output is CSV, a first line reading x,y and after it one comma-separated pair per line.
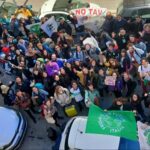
x,y
115,84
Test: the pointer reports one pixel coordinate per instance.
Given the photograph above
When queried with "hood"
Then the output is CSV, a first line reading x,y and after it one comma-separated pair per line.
x,y
8,126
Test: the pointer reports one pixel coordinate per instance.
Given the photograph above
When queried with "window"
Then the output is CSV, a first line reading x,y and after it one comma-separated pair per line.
x,y
144,12
77,5
57,16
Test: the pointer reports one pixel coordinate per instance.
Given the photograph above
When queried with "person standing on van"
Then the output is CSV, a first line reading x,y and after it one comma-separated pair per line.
x,y
108,23
119,23
64,26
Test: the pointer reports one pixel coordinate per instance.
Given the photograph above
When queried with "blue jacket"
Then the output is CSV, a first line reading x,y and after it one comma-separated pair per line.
x,y
47,48
137,54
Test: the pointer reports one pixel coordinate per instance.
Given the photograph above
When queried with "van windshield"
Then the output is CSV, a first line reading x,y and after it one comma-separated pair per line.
x,y
77,5
65,6
133,3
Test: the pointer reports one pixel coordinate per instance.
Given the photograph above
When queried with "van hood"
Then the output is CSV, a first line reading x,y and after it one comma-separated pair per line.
x,y
89,141
8,126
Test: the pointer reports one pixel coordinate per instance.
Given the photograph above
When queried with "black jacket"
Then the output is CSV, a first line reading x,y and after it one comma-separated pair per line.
x,y
122,41
65,26
126,107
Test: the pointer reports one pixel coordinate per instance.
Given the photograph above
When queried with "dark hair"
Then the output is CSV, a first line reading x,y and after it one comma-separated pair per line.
x,y
73,81
123,51
132,35
122,29
138,97
144,58
89,84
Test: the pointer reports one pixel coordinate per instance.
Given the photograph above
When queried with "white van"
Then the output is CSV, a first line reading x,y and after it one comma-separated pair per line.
x,y
93,13
13,127
75,138
133,8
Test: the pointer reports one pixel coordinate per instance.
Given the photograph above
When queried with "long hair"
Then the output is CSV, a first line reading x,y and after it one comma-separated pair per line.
x,y
57,89
138,98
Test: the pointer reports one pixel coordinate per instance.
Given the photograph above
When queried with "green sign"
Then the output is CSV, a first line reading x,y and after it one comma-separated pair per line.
x,y
116,123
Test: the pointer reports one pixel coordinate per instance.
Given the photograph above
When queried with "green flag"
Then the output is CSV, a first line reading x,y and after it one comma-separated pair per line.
x,y
34,28
116,123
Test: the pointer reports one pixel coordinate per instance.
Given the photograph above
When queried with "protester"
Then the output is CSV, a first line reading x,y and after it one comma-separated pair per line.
x,y
121,104
8,93
49,111
91,96
128,84
23,101
77,93
119,23
108,23
144,73
136,106
62,96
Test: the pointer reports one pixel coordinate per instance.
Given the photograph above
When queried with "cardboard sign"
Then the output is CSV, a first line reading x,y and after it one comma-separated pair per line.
x,y
109,80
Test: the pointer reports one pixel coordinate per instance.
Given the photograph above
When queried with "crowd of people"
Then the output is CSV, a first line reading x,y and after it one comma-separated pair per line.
x,y
60,70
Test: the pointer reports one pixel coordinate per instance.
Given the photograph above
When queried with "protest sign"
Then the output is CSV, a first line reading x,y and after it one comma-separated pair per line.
x,y
50,26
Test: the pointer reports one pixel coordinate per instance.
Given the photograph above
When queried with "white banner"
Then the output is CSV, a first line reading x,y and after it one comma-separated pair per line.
x,y
144,135
91,41
50,26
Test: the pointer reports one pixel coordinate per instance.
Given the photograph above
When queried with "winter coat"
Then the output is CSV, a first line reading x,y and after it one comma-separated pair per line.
x,y
64,98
